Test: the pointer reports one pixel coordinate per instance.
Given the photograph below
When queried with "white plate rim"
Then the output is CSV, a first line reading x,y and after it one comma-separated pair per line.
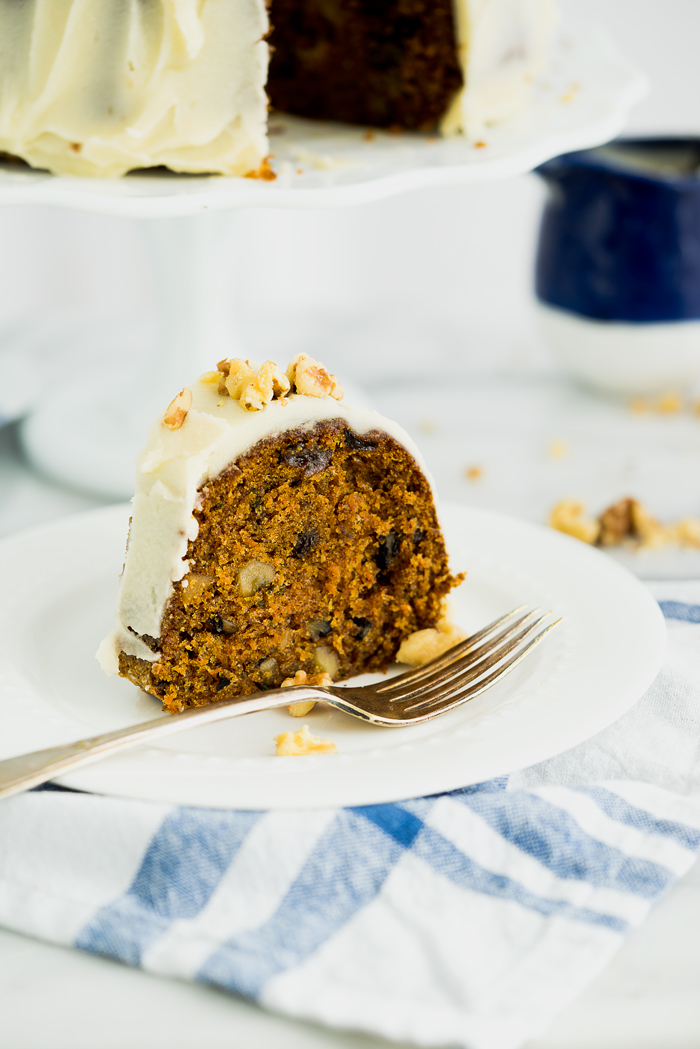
x,y
597,670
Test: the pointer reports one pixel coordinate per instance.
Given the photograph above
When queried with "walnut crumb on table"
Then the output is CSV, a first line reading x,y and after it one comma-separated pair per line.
x,y
626,523
569,517
296,744
669,403
557,449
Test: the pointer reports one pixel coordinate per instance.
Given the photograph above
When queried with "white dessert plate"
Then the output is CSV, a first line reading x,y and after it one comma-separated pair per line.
x,y
582,101
57,599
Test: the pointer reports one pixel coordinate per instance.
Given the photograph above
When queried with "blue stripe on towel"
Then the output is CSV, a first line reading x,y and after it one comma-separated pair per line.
x,y
618,808
679,610
446,858
344,873
180,871
554,838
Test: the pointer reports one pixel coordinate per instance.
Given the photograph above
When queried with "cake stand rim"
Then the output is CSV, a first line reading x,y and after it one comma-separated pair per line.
x,y
134,197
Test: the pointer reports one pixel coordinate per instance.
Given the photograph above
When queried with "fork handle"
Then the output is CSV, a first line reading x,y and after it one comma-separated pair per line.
x,y
29,770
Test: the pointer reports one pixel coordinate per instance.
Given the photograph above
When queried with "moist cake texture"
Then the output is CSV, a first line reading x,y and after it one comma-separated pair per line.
x,y
298,536
387,63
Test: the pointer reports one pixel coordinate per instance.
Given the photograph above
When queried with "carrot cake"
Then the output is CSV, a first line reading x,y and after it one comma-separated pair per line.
x,y
276,531
90,87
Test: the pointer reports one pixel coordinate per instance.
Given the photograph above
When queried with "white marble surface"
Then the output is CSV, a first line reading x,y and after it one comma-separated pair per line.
x,y
647,997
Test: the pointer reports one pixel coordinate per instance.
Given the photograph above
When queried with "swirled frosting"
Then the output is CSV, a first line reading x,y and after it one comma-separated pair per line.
x,y
503,45
99,87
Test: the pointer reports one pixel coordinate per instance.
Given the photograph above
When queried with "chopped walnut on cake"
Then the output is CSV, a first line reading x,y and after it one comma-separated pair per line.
x,y
256,386
177,410
309,377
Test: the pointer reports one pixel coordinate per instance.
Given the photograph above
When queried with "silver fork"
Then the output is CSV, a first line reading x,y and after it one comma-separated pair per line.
x,y
463,672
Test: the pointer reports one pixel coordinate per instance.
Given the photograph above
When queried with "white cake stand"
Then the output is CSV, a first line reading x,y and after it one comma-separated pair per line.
x,y
88,439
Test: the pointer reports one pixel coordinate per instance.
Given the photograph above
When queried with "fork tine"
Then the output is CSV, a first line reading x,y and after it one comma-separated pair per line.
x,y
456,699
447,658
459,663
474,673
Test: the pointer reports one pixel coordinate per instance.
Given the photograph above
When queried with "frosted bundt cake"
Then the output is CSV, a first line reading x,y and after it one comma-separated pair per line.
x,y
275,531
96,87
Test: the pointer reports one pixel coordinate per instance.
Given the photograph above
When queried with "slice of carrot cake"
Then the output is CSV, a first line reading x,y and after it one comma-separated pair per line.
x,y
275,529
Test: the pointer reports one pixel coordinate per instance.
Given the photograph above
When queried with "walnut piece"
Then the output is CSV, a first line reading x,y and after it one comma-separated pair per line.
x,y
310,378
253,575
295,744
255,386
178,408
568,517
236,376
326,659
617,523
269,382
627,519
300,709
687,531
423,645
193,586
627,522
209,378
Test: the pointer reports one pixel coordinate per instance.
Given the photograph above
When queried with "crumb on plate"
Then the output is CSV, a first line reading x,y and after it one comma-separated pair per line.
x,y
296,744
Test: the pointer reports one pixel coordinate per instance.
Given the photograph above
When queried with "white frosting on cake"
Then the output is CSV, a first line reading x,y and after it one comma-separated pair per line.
x,y
503,45
171,470
96,87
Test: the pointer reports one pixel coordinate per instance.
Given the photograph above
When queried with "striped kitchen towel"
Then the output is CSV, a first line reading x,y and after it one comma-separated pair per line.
x,y
466,919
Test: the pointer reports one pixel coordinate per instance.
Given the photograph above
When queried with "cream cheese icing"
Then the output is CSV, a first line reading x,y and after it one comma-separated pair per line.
x,y
502,46
171,470
93,87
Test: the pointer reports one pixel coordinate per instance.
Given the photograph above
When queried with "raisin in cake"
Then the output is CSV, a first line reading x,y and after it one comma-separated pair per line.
x,y
275,530
96,87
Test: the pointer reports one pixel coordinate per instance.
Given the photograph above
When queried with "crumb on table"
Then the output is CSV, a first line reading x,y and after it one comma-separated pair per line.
x,y
668,403
569,517
474,473
557,449
625,523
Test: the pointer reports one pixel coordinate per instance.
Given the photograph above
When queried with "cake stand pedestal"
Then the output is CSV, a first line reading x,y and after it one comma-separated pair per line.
x,y
88,433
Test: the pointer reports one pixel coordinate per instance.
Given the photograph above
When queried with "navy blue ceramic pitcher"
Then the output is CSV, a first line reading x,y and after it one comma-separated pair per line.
x,y
618,263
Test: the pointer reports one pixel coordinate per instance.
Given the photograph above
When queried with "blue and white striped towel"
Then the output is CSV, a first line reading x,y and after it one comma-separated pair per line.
x,y
466,919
